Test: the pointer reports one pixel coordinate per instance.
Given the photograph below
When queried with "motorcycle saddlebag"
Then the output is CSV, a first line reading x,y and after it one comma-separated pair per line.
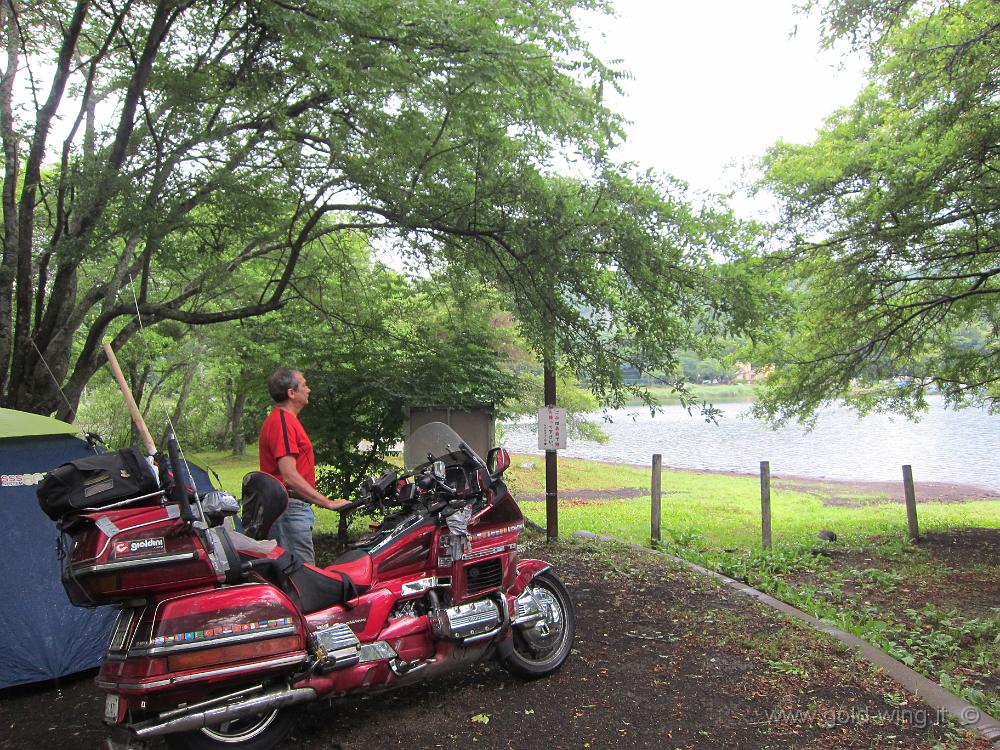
x,y
95,481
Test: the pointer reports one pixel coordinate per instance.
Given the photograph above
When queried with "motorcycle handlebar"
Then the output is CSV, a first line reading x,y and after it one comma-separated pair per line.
x,y
351,506
249,565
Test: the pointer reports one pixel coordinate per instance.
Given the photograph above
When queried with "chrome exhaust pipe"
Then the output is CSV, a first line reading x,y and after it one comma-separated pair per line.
x,y
279,698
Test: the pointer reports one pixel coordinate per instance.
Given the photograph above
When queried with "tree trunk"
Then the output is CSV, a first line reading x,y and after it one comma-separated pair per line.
x,y
181,400
239,443
342,526
8,263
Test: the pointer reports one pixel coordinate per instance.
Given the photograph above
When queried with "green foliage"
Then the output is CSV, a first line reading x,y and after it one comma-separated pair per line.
x,y
943,645
373,343
622,271
890,220
241,132
225,154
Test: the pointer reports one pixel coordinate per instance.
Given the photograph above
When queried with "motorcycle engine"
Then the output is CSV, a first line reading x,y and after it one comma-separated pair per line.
x,y
465,620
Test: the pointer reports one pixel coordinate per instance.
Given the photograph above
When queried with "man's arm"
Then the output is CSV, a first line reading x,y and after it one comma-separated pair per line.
x,y
295,481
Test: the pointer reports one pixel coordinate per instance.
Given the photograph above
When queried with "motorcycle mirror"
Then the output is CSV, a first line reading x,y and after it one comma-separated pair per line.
x,y
437,469
497,461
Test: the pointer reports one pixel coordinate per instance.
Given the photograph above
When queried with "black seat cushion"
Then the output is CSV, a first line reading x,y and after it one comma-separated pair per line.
x,y
309,587
315,589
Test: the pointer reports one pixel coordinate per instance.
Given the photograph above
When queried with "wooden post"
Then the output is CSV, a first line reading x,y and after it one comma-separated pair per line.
x,y
765,504
654,493
911,503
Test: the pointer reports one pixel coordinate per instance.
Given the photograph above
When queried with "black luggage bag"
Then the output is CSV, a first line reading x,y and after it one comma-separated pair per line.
x,y
95,481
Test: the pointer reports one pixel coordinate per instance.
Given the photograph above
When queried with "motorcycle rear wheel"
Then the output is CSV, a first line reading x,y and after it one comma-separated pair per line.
x,y
260,732
541,649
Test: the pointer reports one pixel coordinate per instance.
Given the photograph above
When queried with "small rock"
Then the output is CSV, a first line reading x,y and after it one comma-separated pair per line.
x,y
584,535
828,536
528,465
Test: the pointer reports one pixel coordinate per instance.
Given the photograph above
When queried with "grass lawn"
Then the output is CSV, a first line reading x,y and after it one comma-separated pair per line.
x,y
710,512
935,606
230,469
718,511
715,394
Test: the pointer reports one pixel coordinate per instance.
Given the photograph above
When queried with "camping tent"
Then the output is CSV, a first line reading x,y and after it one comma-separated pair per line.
x,y
42,636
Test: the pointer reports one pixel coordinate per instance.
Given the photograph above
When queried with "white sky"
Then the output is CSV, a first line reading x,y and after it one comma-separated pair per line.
x,y
715,82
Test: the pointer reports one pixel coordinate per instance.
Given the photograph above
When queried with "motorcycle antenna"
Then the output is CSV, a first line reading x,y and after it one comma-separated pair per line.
x,y
69,407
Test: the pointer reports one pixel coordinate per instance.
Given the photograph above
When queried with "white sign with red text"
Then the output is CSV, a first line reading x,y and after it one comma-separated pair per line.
x,y
551,428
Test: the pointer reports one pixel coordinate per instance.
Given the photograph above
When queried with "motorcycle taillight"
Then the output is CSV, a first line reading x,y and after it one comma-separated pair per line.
x,y
119,586
140,668
229,654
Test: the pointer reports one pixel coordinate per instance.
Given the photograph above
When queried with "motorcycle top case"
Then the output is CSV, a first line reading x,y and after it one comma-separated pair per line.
x,y
121,554
95,481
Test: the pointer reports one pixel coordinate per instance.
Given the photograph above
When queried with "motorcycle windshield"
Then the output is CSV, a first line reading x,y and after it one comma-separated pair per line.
x,y
436,441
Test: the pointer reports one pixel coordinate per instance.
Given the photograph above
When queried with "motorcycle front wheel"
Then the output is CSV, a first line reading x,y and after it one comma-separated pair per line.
x,y
540,649
259,732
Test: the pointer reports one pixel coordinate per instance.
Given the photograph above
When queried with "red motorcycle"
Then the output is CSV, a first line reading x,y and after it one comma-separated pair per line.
x,y
221,633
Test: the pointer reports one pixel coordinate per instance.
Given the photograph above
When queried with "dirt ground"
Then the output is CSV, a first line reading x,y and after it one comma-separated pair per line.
x,y
856,494
663,659
949,577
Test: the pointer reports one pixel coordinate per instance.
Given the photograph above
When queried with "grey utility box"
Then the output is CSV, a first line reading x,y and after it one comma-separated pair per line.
x,y
476,427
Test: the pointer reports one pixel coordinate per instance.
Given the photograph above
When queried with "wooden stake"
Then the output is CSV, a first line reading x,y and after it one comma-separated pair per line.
x,y
551,462
765,504
911,503
137,419
654,492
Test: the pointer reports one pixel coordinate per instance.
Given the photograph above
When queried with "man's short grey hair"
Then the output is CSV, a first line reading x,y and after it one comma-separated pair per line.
x,y
279,383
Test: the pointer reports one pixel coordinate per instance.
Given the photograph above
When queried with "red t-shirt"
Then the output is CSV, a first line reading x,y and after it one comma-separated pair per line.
x,y
282,435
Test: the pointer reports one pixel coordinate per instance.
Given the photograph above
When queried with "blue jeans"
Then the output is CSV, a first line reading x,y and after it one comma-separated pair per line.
x,y
293,530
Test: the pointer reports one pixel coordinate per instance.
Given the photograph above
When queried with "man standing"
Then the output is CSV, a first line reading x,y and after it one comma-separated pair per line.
x,y
286,453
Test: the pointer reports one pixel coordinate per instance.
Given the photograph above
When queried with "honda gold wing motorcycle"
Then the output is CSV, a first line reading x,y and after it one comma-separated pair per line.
x,y
222,634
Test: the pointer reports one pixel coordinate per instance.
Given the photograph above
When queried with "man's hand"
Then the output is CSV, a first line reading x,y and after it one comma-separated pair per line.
x,y
335,504
305,491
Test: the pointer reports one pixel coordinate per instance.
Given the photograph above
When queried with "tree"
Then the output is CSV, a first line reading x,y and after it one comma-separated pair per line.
x,y
208,144
380,343
623,271
892,219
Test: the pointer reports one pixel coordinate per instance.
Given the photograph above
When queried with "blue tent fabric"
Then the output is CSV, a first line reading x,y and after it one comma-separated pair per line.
x,y
42,635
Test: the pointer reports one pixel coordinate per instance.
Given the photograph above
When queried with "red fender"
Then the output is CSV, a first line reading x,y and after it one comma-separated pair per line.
x,y
526,570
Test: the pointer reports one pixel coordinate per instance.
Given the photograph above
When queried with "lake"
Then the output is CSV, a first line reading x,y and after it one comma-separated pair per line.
x,y
944,446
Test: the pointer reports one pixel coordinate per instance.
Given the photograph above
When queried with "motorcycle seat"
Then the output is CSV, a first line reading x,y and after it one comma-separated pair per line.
x,y
310,587
356,564
318,588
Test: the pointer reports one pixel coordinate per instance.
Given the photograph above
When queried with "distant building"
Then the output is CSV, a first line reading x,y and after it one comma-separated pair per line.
x,y
746,374
631,375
